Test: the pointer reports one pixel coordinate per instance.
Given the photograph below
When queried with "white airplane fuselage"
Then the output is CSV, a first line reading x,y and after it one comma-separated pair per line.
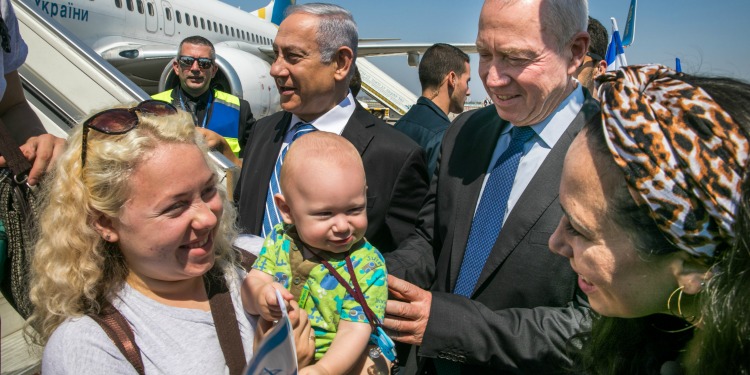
x,y
140,37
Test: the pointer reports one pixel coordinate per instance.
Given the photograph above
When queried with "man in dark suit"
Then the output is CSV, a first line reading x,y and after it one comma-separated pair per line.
x,y
315,51
500,302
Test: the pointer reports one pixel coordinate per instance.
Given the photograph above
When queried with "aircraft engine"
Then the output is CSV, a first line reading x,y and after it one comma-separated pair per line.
x,y
242,74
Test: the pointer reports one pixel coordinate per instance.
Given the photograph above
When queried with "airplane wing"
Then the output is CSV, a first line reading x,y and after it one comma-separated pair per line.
x,y
411,50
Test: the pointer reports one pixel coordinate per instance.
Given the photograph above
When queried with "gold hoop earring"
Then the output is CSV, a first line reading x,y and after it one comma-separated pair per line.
x,y
693,320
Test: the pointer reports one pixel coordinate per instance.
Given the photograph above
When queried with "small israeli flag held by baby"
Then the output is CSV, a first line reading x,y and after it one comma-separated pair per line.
x,y
276,354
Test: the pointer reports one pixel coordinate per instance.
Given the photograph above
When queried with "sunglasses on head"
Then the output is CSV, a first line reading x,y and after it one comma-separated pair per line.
x,y
187,61
121,120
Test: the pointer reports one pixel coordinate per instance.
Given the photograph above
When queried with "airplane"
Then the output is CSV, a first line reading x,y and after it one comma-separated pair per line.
x,y
140,38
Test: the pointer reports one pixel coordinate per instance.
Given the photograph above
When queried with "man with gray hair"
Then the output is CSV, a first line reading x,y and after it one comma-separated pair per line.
x,y
499,301
315,48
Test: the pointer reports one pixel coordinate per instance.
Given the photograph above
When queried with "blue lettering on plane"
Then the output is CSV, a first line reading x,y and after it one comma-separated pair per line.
x,y
63,10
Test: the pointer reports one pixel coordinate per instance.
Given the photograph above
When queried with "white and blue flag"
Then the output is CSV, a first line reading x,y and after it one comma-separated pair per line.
x,y
615,53
276,354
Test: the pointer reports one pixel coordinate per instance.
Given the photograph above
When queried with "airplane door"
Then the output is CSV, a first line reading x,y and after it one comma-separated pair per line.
x,y
152,22
168,18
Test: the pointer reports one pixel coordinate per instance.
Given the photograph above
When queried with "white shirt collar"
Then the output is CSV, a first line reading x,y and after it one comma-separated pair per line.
x,y
561,117
335,119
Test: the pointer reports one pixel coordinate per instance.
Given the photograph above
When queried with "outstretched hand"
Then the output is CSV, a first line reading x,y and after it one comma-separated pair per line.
x,y
216,142
406,316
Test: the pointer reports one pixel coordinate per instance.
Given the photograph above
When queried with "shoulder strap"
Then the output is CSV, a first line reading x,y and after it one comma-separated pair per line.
x,y
222,311
119,331
13,155
300,268
225,321
355,292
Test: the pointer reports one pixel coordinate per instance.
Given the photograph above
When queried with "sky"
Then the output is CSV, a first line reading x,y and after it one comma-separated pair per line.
x,y
709,37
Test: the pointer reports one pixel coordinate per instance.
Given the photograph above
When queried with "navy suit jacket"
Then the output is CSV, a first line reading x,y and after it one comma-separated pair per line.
x,y
526,303
426,124
394,167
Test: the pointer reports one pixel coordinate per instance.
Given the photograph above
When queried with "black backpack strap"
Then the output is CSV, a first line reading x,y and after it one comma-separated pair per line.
x,y
119,331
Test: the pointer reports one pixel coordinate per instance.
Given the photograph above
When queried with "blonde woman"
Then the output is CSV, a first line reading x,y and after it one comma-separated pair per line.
x,y
135,220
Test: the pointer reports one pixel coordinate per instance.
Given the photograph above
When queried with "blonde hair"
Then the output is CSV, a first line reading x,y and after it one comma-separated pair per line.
x,y
318,147
74,271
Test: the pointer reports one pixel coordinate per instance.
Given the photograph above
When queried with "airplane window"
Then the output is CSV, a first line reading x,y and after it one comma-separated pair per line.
x,y
242,34
118,3
203,24
187,19
221,28
232,31
178,16
215,28
167,13
129,3
195,21
139,3
209,25
150,7
253,36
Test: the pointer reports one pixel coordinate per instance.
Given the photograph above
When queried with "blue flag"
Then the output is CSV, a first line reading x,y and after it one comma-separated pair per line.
x,y
677,65
629,35
615,53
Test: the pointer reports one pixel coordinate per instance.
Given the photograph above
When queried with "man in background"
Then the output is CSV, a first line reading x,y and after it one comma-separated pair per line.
x,y
594,64
444,74
221,117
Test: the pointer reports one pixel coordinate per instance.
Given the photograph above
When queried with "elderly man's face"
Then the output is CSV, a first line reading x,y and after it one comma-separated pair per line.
x,y
522,71
306,85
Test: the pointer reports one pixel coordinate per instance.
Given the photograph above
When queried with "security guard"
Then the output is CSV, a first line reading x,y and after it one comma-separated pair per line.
x,y
223,118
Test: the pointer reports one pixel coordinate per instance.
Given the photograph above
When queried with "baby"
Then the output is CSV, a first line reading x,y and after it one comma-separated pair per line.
x,y
319,245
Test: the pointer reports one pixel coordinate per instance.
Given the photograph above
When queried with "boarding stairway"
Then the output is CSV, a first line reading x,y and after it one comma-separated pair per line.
x,y
381,87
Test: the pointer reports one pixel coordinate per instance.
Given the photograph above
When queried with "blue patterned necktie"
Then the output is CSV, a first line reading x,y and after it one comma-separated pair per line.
x,y
488,220
272,216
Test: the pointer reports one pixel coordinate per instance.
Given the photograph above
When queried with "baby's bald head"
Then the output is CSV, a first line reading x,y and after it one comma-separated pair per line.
x,y
313,154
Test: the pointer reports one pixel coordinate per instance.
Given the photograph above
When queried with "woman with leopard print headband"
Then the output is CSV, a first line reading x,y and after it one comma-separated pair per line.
x,y
650,195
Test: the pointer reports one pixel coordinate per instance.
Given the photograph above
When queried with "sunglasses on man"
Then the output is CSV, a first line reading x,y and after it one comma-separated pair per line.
x,y
187,62
594,58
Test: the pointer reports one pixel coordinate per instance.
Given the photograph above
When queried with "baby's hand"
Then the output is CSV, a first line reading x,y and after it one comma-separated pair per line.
x,y
267,302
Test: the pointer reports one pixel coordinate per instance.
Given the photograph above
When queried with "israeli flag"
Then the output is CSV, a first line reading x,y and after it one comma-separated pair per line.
x,y
276,354
615,53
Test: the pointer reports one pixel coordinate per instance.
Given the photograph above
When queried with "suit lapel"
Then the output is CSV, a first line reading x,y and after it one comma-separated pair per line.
x,y
355,129
542,191
467,166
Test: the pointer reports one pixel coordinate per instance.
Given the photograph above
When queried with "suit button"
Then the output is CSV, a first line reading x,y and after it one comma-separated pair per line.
x,y
296,281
